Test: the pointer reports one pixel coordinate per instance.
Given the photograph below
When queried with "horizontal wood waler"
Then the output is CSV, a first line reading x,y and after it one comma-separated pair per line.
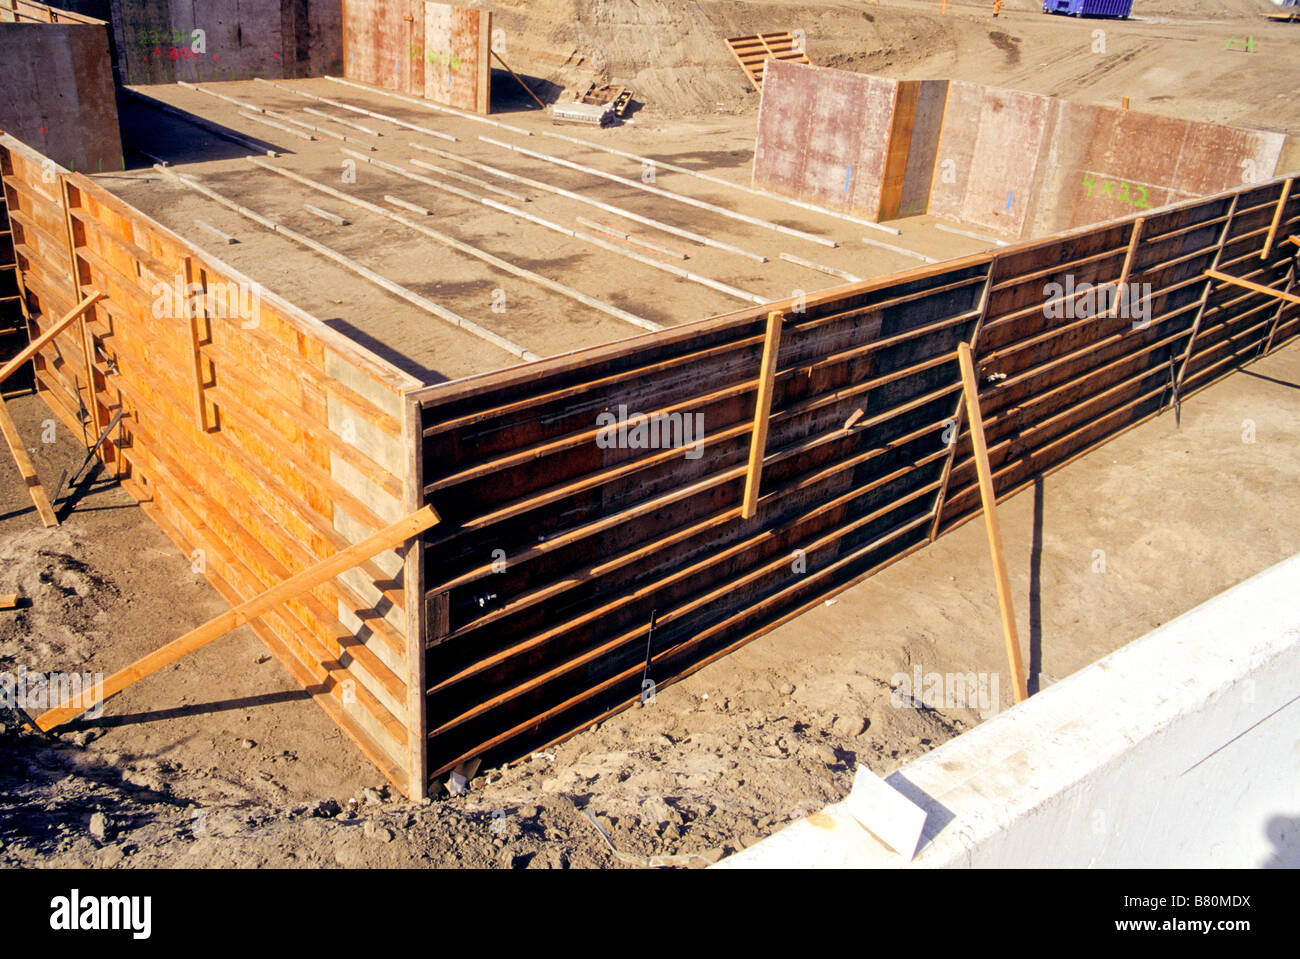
x,y
625,513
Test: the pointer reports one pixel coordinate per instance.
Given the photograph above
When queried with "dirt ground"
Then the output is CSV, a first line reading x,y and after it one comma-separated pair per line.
x,y
222,760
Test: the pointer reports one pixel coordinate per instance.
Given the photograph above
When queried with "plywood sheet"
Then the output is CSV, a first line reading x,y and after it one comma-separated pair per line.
x,y
1107,162
990,150
455,56
58,93
436,50
824,136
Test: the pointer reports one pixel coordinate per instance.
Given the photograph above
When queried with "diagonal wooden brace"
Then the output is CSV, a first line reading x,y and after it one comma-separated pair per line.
x,y
294,586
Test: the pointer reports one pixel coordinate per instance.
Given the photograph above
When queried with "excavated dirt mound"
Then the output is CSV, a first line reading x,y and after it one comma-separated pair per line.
x,y
1171,57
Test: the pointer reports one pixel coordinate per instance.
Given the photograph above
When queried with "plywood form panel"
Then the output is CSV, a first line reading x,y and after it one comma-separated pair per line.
x,y
824,136
58,99
455,56
436,50
261,489
597,542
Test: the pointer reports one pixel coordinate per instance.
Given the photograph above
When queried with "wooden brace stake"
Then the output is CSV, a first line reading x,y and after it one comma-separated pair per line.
x,y
35,346
1277,218
989,498
1256,287
762,412
33,483
521,82
387,538
1121,285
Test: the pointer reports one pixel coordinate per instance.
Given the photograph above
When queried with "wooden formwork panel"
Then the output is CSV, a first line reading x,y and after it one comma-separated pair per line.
x,y
440,51
261,440
570,570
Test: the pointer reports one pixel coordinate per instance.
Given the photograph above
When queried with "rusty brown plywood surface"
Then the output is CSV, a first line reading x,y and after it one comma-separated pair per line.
x,y
823,136
922,147
1107,162
990,151
58,93
377,42
436,50
455,56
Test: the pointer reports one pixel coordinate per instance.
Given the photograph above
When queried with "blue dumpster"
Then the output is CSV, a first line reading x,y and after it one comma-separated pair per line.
x,y
1089,8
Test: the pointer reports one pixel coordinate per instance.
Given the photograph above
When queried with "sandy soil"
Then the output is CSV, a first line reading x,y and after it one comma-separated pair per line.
x,y
221,760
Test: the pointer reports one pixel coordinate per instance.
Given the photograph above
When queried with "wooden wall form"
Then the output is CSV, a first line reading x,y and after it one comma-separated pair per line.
x,y
13,322
555,555
25,11
438,51
267,447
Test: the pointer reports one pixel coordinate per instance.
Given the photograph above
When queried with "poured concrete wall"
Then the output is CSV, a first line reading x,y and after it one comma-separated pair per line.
x,y
1180,750
435,50
58,97
154,39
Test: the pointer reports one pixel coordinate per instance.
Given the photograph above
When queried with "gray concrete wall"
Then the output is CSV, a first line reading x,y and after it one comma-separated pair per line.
x,y
58,95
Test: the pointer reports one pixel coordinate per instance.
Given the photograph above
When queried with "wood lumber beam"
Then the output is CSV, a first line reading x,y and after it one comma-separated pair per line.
x,y
821,268
207,126
989,498
608,208
664,165
396,289
58,327
429,105
521,82
462,247
1277,218
762,413
667,194
368,113
1121,285
387,538
1255,287
25,468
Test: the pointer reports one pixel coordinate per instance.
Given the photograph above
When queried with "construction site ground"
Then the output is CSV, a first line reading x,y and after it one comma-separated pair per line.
x,y
223,760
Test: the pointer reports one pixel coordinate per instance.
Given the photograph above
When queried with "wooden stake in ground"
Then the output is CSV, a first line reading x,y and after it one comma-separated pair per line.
x,y
25,467
310,578
35,346
989,499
